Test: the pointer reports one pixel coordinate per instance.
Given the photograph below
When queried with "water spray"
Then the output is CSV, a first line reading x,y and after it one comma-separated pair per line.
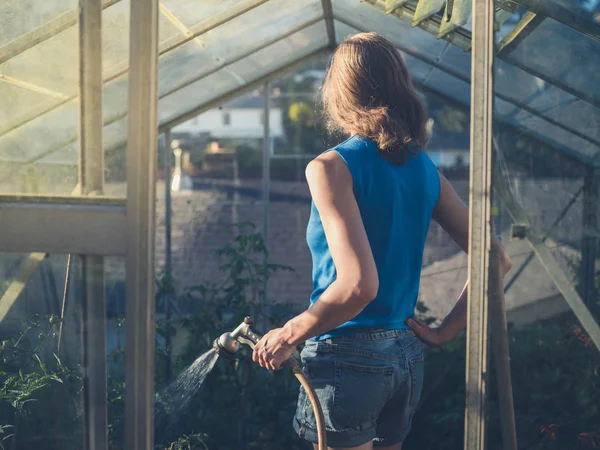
x,y
228,344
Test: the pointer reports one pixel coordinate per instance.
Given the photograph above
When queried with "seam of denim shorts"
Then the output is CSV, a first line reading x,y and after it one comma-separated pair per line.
x,y
407,349
414,395
374,335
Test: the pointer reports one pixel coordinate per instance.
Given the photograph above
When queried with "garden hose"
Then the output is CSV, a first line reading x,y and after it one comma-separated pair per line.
x,y
314,402
228,345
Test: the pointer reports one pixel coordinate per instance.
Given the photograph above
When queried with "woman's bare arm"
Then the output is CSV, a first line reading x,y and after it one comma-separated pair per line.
x,y
356,282
453,216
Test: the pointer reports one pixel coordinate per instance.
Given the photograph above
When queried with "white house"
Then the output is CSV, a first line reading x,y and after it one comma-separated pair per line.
x,y
242,118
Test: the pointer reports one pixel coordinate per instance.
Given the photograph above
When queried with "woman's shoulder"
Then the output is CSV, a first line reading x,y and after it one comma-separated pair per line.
x,y
328,171
327,163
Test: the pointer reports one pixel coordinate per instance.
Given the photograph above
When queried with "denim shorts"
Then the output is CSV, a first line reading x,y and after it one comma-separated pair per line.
x,y
368,384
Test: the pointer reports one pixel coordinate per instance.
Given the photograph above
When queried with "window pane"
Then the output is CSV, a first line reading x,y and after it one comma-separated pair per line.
x,y
25,16
561,54
258,26
219,175
542,143
39,148
44,352
243,71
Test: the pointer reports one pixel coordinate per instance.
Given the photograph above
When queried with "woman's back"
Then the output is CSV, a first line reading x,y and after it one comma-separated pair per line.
x,y
396,204
373,198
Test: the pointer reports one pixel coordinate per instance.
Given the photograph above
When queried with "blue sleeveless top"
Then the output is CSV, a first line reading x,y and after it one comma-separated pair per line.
x,y
396,203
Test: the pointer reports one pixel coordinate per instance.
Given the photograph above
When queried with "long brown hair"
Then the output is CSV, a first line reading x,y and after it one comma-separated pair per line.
x,y
369,91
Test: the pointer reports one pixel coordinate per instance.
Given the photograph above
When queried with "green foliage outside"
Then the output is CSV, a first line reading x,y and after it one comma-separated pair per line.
x,y
556,379
38,392
556,389
235,407
302,113
302,118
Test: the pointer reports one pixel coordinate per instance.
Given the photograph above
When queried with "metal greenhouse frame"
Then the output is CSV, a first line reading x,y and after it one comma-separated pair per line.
x,y
177,62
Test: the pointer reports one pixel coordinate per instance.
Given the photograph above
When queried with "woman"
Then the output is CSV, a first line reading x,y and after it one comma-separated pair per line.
x,y
373,198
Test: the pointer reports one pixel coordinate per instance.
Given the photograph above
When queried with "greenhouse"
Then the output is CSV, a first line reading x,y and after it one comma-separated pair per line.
x,y
152,195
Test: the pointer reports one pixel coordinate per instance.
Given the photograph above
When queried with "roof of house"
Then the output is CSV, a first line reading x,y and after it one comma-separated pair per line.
x,y
442,281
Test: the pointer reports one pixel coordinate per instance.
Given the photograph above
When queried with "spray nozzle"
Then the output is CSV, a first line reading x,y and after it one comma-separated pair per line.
x,y
228,344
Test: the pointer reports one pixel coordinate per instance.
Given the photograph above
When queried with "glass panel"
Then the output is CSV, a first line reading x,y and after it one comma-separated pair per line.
x,y
189,62
418,69
115,37
509,23
41,358
560,53
545,131
512,84
456,61
18,101
52,64
22,17
34,141
41,135
342,30
450,57
195,12
39,139
547,100
114,279
364,17
115,98
558,135
579,116
64,157
246,70
217,182
584,9
115,147
541,183
282,53
447,85
195,94
258,26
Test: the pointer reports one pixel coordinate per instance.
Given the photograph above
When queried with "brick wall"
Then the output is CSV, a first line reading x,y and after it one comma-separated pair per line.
x,y
200,221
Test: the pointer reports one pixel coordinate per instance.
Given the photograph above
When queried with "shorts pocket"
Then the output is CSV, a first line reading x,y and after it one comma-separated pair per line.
x,y
360,393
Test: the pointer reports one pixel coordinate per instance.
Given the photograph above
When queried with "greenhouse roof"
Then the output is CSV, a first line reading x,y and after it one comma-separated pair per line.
x,y
547,80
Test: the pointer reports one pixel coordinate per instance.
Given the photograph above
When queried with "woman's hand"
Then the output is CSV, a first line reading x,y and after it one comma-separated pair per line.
x,y
273,350
432,336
